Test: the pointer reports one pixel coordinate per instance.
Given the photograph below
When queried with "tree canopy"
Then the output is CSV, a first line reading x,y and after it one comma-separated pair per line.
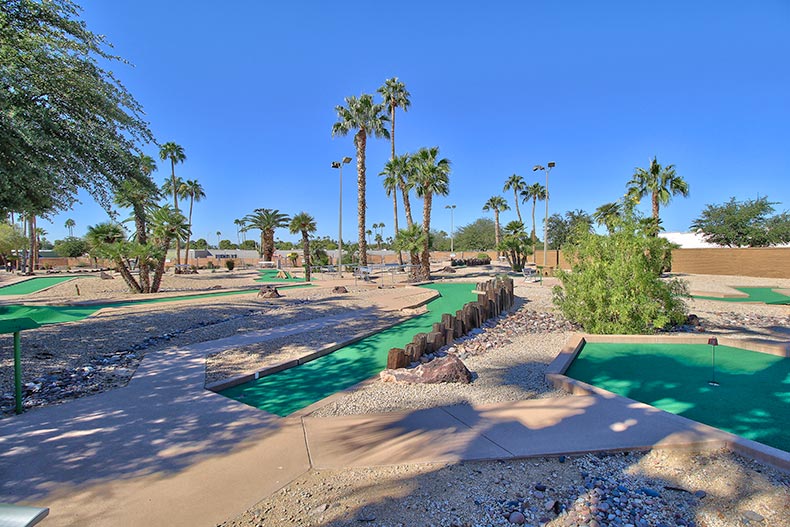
x,y
477,236
743,224
561,229
65,122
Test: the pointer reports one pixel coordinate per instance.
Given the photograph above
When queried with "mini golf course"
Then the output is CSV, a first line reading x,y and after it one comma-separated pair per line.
x,y
33,285
765,295
290,390
752,400
60,314
270,275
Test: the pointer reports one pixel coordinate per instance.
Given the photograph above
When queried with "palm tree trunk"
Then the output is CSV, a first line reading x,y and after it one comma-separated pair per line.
x,y
534,202
160,267
515,198
189,235
497,233
175,204
134,287
142,239
360,140
306,258
395,212
263,243
426,229
655,205
406,202
269,254
31,261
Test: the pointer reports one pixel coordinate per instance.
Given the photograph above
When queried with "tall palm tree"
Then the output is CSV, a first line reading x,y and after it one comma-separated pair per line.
x,y
431,176
395,95
140,194
660,182
496,204
607,214
535,192
367,118
239,229
193,190
391,184
266,220
515,183
305,224
70,226
219,239
175,153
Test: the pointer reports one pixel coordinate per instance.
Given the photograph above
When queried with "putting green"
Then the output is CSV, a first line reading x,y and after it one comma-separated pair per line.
x,y
756,294
270,275
293,389
752,400
33,284
59,314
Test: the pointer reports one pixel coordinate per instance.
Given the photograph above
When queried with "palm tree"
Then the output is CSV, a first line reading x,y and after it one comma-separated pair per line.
x,y
367,118
391,184
535,192
411,240
107,239
193,190
431,176
660,182
607,214
175,153
305,224
267,220
219,236
166,225
70,226
395,95
239,229
516,183
496,204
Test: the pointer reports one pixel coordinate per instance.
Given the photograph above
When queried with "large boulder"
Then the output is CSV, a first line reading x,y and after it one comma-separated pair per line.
x,y
441,369
268,291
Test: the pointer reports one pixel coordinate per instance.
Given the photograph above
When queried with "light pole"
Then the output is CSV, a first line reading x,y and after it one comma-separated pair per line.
x,y
551,165
452,249
339,164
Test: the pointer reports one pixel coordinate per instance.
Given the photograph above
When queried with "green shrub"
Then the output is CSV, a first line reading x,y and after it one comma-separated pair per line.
x,y
230,264
484,256
614,286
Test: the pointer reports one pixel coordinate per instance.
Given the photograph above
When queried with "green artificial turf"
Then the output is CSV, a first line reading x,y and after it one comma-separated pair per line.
x,y
752,400
33,284
59,314
270,275
293,389
756,294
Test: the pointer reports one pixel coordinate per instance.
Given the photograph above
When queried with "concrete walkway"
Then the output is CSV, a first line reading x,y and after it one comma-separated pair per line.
x,y
165,451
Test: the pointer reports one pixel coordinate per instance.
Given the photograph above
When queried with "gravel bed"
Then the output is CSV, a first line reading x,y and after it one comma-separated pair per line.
x,y
659,488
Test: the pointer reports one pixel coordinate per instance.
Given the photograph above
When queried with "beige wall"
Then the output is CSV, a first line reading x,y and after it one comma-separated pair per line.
x,y
767,262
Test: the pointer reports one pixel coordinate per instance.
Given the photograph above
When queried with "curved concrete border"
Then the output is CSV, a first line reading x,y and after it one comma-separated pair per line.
x,y
555,375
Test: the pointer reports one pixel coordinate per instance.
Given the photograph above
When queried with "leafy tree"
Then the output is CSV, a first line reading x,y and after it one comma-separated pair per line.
x,y
608,214
249,245
516,183
431,176
65,122
661,183
70,224
480,235
515,245
175,153
200,243
367,118
743,224
411,240
535,192
496,204
11,240
439,241
562,229
193,190
267,221
305,224
227,245
614,285
71,247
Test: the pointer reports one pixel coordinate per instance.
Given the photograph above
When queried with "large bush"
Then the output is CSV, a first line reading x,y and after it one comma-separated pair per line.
x,y
615,285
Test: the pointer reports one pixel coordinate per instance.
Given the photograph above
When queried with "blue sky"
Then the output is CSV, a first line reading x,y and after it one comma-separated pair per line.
x,y
249,88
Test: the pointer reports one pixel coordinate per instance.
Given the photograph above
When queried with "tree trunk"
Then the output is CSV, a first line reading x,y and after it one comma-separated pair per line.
x,y
426,229
406,202
518,212
142,239
175,204
263,243
395,212
134,287
189,234
534,202
31,261
497,233
160,267
655,205
268,255
360,140
306,257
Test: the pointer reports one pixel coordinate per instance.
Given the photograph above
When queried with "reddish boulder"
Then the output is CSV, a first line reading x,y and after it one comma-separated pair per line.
x,y
442,369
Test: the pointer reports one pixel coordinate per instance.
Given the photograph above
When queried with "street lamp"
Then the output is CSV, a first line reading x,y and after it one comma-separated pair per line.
x,y
551,165
339,164
452,250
